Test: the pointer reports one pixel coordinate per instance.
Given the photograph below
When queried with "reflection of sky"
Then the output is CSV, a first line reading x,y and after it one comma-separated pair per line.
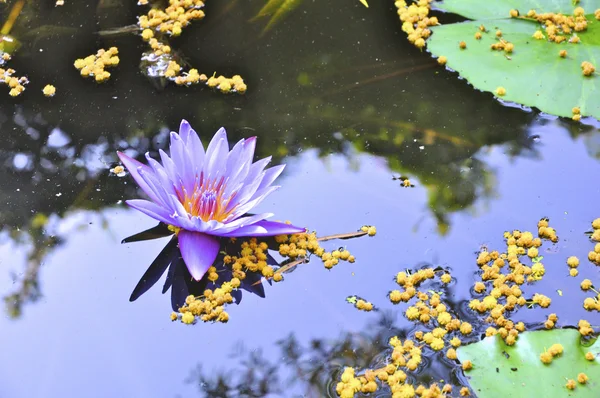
x,y
85,339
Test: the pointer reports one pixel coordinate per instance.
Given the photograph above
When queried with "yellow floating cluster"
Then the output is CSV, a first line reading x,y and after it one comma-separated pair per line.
x,y
363,305
581,378
591,303
227,84
596,227
551,321
94,65
208,307
16,84
503,45
171,21
502,274
300,245
405,356
594,255
558,27
587,68
547,356
415,20
49,90
585,328
251,257
410,282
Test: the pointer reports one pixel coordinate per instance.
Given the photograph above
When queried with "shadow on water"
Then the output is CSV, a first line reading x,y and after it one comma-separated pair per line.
x,y
343,84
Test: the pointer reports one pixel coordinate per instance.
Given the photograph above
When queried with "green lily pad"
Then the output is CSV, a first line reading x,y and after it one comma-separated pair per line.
x,y
502,371
533,74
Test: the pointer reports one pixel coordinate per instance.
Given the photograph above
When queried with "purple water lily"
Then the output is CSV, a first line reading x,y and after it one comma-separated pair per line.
x,y
206,194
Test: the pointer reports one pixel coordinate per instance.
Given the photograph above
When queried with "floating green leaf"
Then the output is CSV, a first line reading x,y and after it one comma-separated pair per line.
x,y
501,371
533,74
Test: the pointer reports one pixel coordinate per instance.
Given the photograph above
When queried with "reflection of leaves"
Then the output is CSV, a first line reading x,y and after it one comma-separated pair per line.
x,y
49,31
277,9
29,289
310,367
501,370
534,71
158,267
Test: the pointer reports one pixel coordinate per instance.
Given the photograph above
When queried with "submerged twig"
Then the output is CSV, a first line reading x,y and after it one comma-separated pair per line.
x,y
348,235
304,259
119,31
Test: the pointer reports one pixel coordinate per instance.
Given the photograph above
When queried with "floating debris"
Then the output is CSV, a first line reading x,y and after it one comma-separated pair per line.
x,y
405,181
360,304
119,171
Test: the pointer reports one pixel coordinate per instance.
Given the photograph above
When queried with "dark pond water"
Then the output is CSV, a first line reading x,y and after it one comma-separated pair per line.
x,y
337,94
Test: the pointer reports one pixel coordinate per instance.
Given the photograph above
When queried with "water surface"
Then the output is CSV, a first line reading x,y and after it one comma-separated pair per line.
x,y
337,94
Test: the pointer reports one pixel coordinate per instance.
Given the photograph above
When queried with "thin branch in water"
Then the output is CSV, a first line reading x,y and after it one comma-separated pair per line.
x,y
304,259
119,31
376,79
348,235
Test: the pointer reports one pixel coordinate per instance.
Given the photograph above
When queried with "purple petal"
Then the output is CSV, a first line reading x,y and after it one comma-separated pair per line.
x,y
258,197
198,250
193,144
241,222
154,183
207,227
240,159
170,168
133,166
153,210
270,175
160,174
257,168
265,228
183,163
246,192
216,155
253,173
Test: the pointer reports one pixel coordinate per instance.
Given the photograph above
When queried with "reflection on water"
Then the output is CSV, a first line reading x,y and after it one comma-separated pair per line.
x,y
347,104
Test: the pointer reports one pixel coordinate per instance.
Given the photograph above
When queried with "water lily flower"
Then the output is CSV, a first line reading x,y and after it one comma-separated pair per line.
x,y
206,195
